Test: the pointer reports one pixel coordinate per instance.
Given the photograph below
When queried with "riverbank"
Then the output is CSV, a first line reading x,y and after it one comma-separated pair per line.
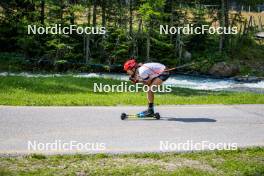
x,y
78,91
240,162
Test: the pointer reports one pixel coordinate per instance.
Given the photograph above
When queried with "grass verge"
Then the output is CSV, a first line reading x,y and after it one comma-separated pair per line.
x,y
240,162
72,91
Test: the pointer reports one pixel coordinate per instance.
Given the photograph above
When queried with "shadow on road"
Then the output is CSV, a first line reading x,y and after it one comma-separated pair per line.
x,y
188,120
185,120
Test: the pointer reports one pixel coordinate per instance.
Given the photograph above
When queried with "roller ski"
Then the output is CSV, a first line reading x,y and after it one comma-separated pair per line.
x,y
142,115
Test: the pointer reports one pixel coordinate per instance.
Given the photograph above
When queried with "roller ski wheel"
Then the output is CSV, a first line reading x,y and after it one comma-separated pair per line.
x,y
157,116
123,116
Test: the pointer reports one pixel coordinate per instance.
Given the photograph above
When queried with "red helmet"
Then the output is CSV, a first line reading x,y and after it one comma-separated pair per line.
x,y
130,64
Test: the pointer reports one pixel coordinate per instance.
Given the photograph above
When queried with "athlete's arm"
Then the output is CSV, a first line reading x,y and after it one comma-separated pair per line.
x,y
137,79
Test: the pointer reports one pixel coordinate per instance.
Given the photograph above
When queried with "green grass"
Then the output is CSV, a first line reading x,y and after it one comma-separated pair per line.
x,y
240,162
68,90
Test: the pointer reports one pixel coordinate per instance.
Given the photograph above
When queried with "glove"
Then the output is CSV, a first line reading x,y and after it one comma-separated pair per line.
x,y
133,80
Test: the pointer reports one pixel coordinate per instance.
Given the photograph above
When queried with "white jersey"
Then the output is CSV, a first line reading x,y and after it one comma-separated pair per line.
x,y
149,71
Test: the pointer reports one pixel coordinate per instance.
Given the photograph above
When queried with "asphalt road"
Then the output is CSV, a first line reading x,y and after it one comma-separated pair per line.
x,y
53,130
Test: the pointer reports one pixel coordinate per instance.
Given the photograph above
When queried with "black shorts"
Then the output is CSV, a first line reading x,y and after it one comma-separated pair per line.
x,y
164,76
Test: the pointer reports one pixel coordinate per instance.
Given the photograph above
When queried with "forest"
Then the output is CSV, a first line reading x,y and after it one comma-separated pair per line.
x,y
132,29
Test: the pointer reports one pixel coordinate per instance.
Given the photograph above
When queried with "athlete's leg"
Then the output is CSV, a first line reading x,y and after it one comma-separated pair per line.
x,y
156,82
150,95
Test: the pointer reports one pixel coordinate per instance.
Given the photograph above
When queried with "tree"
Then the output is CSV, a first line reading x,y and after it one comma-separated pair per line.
x,y
94,12
103,4
222,24
130,17
149,10
71,9
42,12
